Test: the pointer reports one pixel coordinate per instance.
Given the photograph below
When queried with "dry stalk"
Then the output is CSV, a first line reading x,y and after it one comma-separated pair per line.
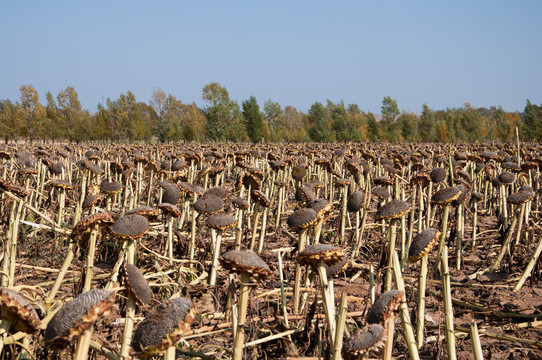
x,y
530,266
340,322
391,250
448,308
297,281
408,331
476,344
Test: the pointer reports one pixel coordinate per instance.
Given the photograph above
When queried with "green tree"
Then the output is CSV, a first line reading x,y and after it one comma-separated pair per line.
x,y
339,121
374,128
319,120
70,109
529,120
346,123
389,108
100,125
505,125
408,123
236,130
31,112
126,104
53,119
9,120
390,112
129,119
470,125
161,125
172,122
80,131
275,116
450,118
538,121
170,115
253,119
427,124
219,112
119,118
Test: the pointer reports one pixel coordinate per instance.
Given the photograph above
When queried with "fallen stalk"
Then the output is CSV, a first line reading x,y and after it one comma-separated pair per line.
x,y
484,310
483,332
272,337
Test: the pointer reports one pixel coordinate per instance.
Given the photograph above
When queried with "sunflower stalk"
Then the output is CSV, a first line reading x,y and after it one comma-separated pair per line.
x,y
476,344
130,307
340,325
408,330
83,344
448,308
298,267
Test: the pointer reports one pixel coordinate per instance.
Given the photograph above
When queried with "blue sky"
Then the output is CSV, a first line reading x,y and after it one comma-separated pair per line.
x,y
443,53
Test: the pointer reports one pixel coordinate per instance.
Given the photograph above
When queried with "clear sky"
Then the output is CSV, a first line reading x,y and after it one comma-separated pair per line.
x,y
443,53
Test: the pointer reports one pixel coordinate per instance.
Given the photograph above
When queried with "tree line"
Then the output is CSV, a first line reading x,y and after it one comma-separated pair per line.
x,y
167,119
